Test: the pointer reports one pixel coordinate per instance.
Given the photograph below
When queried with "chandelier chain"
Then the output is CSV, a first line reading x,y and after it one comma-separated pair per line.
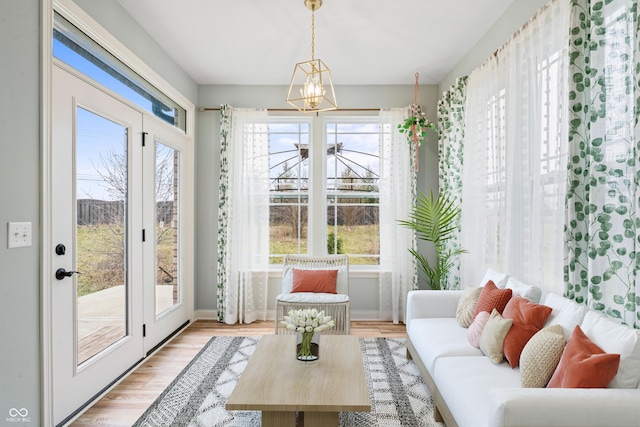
x,y
313,33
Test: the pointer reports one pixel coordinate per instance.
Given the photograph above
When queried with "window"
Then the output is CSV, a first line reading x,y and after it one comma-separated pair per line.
x,y
73,47
324,193
514,174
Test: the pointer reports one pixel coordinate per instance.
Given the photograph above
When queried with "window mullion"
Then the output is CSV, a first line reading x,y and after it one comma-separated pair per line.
x,y
317,196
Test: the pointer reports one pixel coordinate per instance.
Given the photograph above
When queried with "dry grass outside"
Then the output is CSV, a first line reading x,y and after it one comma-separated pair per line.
x,y
100,252
358,239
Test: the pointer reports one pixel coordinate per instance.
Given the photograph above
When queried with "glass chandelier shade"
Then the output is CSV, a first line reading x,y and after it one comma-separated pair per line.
x,y
311,87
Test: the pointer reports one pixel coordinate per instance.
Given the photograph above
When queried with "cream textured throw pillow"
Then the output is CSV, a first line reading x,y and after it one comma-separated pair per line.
x,y
466,306
541,356
492,338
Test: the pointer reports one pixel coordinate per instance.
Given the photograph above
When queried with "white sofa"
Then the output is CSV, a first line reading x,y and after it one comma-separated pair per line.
x,y
470,390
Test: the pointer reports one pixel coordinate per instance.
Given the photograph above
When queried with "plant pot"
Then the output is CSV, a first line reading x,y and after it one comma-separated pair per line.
x,y
307,346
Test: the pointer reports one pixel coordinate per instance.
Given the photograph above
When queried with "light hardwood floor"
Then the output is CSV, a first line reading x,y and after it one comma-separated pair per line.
x,y
124,404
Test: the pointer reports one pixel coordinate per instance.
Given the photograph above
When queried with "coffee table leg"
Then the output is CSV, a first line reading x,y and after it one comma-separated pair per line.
x,y
277,419
320,419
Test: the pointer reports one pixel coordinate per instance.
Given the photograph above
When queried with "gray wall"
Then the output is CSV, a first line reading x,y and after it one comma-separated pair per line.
x,y
364,291
512,19
20,192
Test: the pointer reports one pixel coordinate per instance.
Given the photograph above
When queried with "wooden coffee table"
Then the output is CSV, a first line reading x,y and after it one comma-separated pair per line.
x,y
279,385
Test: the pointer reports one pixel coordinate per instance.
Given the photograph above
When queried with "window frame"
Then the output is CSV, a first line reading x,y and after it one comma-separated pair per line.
x,y
317,193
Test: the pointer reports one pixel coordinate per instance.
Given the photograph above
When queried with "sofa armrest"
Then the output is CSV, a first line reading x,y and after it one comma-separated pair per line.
x,y
429,303
544,407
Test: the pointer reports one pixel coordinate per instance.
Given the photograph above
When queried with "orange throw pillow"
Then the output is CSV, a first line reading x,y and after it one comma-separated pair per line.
x,y
319,281
492,297
528,318
584,365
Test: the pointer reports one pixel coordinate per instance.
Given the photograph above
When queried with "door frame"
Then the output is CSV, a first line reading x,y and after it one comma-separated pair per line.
x,y
87,24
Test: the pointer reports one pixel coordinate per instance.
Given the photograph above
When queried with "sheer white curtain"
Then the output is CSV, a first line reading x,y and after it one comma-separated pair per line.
x,y
398,273
243,215
515,152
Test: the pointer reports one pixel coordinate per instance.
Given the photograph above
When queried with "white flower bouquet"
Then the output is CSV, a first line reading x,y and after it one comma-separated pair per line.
x,y
307,322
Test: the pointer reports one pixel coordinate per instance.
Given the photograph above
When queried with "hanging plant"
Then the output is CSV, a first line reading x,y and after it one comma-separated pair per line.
x,y
416,125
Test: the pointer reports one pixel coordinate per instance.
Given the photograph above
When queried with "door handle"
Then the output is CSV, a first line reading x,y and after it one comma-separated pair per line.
x,y
61,273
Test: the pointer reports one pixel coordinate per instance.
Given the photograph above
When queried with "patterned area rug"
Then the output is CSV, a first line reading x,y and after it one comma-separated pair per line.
x,y
197,397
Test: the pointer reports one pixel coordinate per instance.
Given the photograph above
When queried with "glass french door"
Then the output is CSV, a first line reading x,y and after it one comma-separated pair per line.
x,y
96,192
165,165
117,192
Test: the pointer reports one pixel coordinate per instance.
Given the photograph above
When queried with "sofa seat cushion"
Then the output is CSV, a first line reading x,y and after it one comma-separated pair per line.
x,y
464,384
439,337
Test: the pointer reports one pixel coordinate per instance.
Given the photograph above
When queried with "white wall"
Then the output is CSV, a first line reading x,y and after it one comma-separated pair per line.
x,y
364,291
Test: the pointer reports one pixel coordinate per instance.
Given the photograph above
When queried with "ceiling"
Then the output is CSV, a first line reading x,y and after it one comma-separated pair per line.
x,y
258,42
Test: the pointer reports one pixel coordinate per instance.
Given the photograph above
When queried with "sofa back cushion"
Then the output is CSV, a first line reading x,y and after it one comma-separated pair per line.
x,y
614,337
498,279
530,292
564,312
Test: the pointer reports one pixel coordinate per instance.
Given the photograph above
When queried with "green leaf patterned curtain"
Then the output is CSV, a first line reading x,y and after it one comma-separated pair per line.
x,y
451,117
223,229
601,230
243,215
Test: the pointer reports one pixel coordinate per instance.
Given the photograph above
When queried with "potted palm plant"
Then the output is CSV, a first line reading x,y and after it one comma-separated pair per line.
x,y
434,220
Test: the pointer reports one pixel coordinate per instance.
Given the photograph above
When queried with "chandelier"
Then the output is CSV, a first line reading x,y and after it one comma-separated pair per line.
x,y
311,88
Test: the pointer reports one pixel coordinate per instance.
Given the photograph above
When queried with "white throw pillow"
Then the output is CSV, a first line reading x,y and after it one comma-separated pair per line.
x,y
565,312
613,337
530,292
498,279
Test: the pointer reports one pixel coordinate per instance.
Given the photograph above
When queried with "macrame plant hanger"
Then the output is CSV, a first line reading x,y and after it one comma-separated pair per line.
x,y
415,110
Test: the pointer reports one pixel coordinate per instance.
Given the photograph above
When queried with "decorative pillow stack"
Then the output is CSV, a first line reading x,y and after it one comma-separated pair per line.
x,y
474,312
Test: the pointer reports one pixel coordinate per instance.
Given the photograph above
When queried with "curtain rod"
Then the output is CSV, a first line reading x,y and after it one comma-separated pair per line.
x,y
293,109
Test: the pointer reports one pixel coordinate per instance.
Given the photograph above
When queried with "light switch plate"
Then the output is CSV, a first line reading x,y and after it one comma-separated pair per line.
x,y
19,234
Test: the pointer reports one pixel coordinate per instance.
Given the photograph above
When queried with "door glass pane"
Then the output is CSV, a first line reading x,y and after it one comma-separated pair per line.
x,y
101,232
167,226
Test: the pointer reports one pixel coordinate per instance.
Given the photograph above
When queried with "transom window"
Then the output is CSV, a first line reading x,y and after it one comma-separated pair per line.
x,y
74,48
